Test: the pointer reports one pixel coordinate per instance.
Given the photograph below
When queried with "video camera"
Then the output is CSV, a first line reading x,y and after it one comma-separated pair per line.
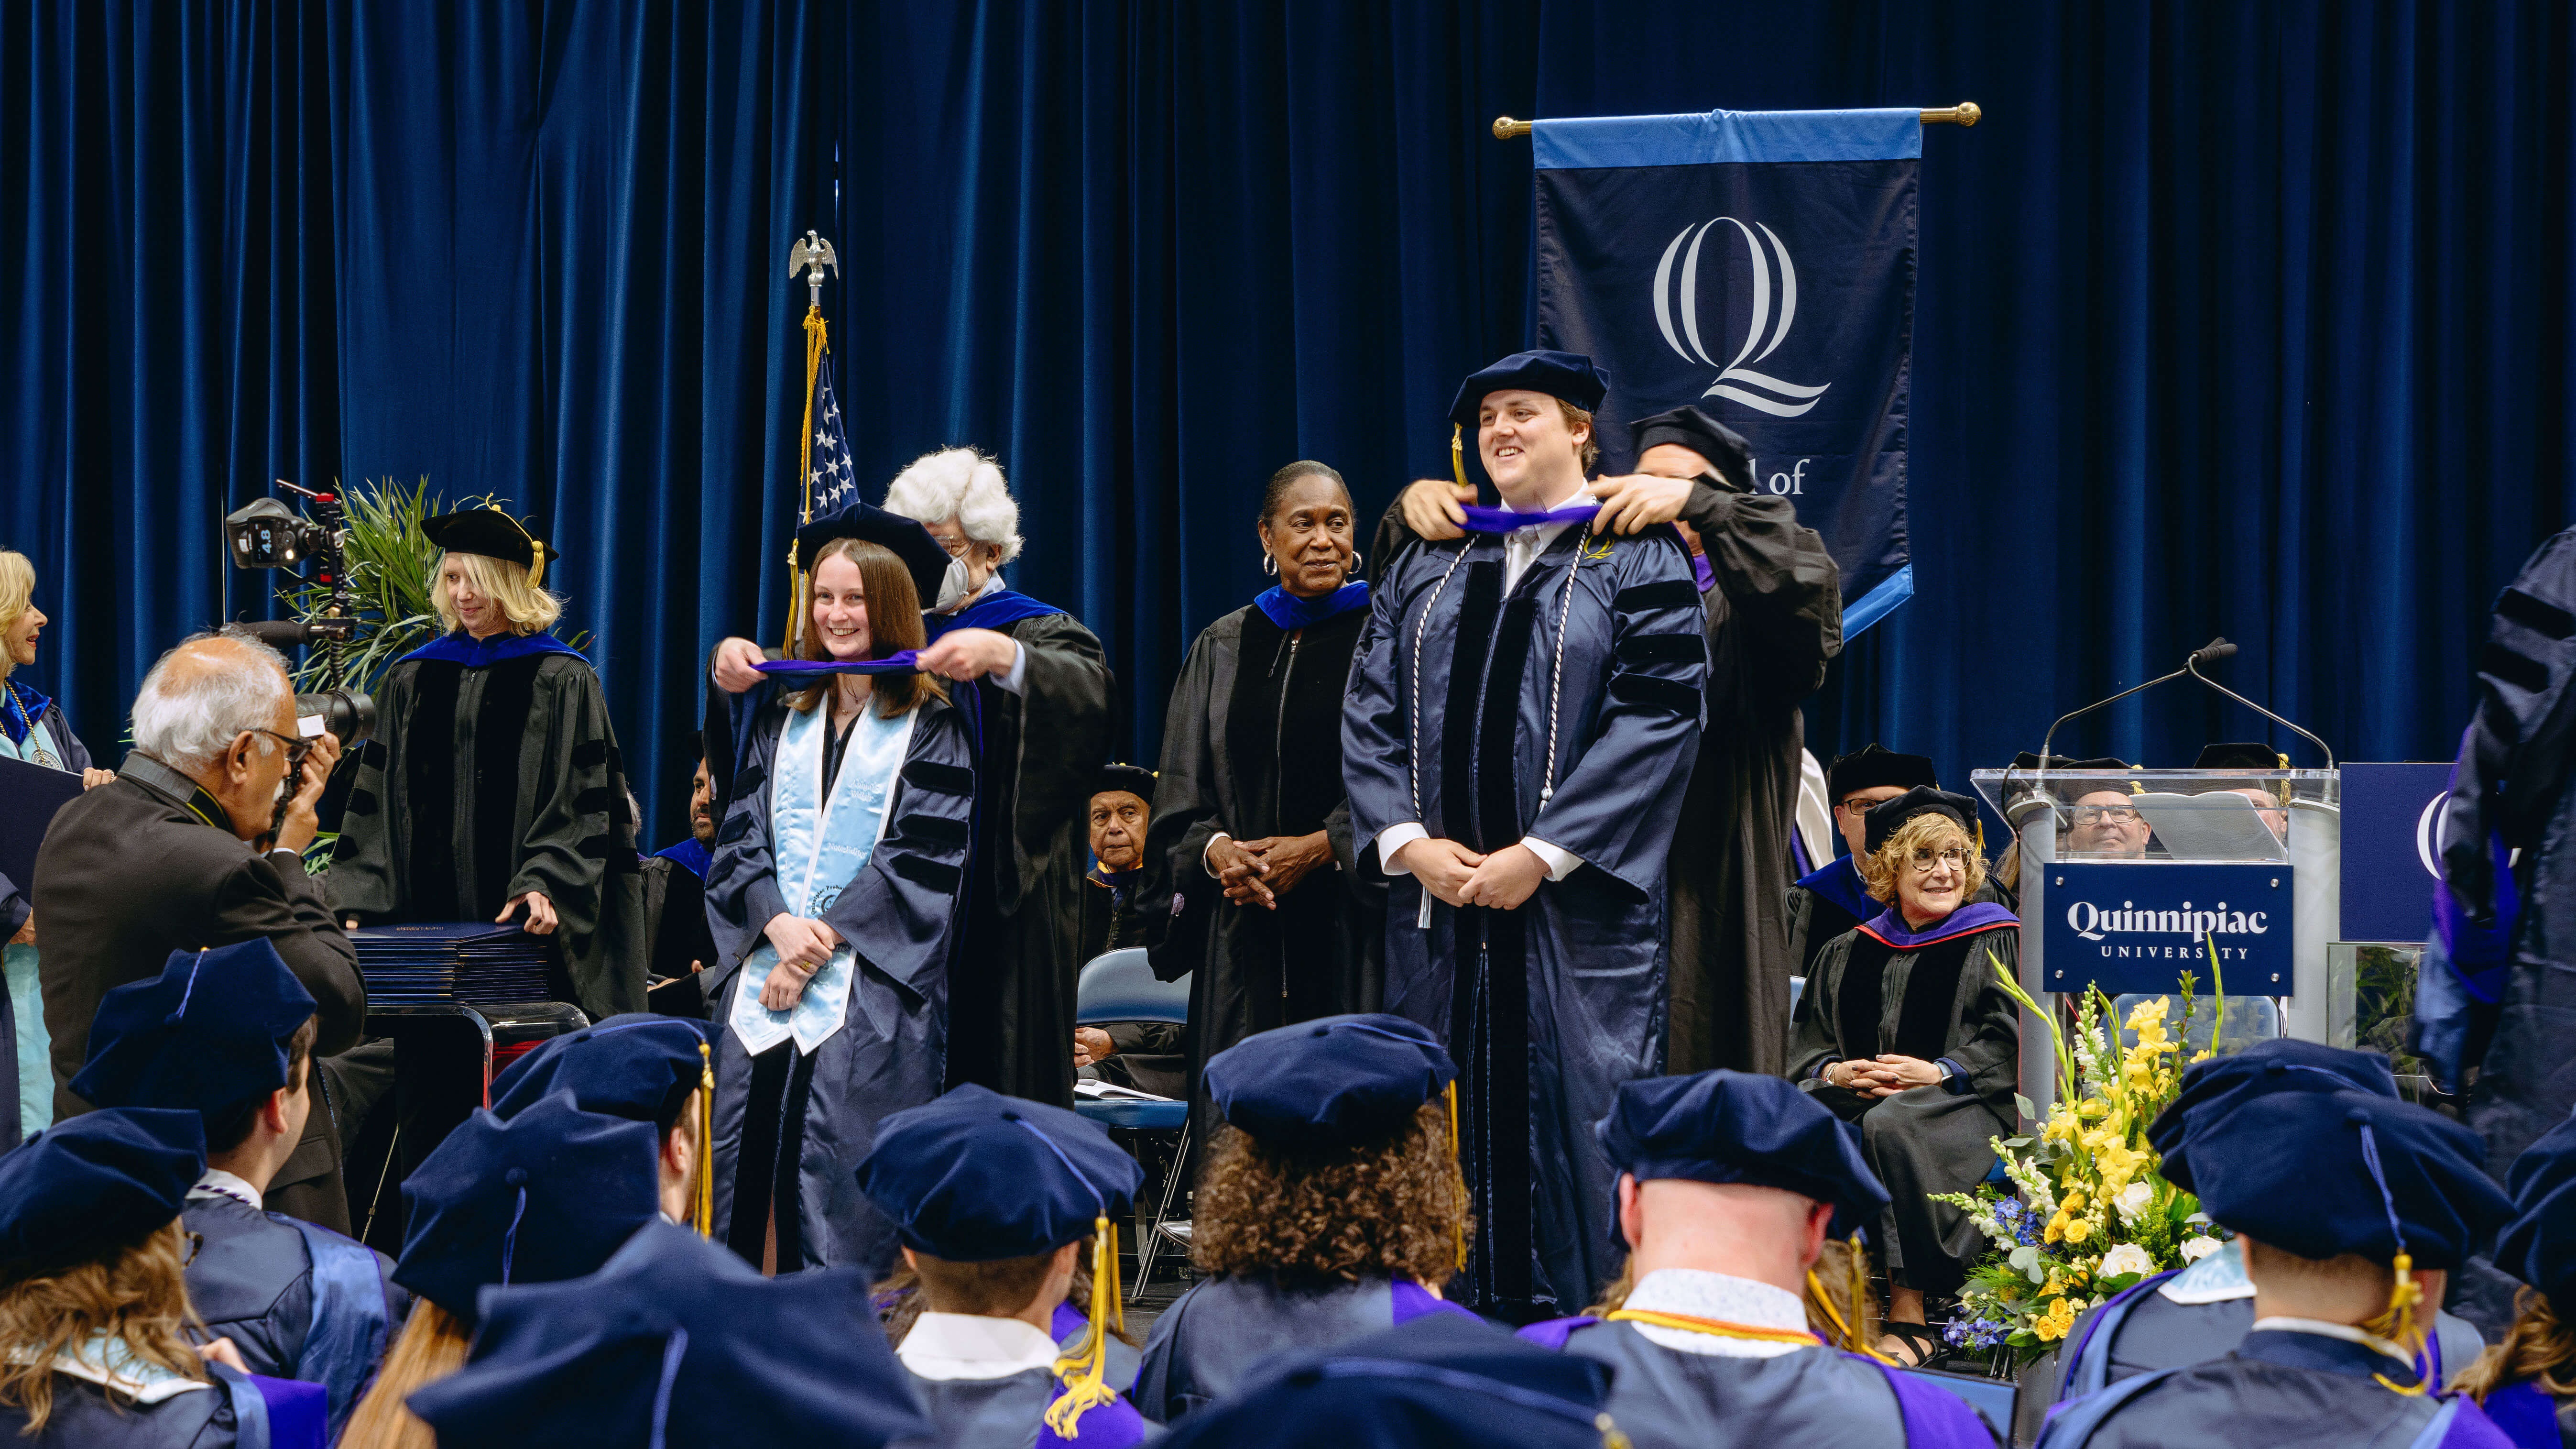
x,y
267,534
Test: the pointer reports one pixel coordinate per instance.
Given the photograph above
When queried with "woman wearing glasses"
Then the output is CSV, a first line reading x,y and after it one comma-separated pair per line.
x,y
493,790
1903,1030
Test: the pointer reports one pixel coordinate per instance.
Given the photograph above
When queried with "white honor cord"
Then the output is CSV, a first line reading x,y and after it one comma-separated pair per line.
x,y
1413,700
1556,674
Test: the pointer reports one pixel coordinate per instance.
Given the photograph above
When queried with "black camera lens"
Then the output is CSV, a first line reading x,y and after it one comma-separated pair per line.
x,y
347,713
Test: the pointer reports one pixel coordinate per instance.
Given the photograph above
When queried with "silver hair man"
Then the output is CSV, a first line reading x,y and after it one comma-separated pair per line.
x,y
963,486
188,713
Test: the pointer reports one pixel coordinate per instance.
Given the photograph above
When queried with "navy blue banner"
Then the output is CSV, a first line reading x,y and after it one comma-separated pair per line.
x,y
1759,265
2392,818
2136,926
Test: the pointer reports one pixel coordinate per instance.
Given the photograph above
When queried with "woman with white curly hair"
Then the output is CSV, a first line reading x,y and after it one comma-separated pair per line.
x,y
1023,670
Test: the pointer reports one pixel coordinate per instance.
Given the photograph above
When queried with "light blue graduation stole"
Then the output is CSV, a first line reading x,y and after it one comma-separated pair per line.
x,y
38,748
817,846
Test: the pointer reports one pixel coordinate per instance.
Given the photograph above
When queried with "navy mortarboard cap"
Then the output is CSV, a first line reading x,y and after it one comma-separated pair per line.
x,y
2321,1174
1432,1382
493,534
103,1180
2539,1246
1725,1126
545,1196
637,1065
976,1176
903,537
1567,375
2243,755
2275,1065
677,1343
1870,767
1136,780
1726,450
208,1034
2029,762
1331,1081
1884,817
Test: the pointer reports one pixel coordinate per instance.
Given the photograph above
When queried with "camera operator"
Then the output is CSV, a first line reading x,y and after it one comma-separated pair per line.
x,y
197,843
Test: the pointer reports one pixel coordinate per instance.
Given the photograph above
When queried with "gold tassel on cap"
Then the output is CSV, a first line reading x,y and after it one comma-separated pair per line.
x,y
2402,1330
1457,1226
1458,454
705,1211
1085,1372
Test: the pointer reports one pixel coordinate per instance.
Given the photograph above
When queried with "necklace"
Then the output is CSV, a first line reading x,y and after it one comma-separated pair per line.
x,y
27,729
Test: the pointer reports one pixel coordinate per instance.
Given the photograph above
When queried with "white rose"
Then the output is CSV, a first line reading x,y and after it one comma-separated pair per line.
x,y
2133,1200
2199,1248
2125,1258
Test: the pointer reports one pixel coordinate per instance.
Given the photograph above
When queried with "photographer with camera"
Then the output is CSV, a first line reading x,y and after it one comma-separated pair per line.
x,y
492,790
197,843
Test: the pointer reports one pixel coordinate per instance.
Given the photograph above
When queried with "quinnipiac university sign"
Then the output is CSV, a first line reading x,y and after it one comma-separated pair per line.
x,y
2136,926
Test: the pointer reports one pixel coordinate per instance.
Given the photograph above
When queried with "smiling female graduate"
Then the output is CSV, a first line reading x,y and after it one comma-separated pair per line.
x,y
1524,710
493,789
833,897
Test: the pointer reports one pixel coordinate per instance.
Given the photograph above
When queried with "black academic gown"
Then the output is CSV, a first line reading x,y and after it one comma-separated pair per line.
x,y
1107,903
1211,1339
485,782
900,915
251,1277
1020,949
1819,906
1252,747
85,1417
2277,1390
1938,1002
1547,1008
1775,615
1814,1398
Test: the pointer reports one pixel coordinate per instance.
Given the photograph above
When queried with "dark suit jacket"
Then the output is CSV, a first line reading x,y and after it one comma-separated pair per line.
x,y
130,872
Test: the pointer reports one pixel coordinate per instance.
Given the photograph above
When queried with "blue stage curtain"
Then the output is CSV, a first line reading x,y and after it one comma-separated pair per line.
x,y
2232,318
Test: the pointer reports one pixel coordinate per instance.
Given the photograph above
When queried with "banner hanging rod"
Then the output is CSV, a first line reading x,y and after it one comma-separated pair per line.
x,y
1965,113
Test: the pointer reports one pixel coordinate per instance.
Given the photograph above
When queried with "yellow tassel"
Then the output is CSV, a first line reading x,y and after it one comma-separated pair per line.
x,y
1458,454
706,1194
2399,1321
1457,1225
1085,1371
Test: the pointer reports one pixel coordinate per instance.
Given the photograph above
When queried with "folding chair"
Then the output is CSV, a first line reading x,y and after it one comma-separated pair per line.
x,y
1118,986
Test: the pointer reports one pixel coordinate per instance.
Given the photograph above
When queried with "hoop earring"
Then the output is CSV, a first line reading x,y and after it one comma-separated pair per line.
x,y
1269,563
1355,563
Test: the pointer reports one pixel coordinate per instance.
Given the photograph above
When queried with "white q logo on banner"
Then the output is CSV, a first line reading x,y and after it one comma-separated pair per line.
x,y
1780,399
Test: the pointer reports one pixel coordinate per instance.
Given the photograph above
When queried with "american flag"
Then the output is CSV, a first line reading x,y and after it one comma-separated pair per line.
x,y
831,484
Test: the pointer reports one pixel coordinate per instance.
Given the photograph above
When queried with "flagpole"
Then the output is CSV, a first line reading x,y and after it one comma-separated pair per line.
x,y
811,254
1965,113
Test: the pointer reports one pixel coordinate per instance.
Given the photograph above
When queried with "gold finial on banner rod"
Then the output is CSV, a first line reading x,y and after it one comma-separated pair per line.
x,y
1965,113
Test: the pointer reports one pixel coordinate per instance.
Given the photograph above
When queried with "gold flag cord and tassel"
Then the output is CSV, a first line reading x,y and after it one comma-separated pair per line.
x,y
816,344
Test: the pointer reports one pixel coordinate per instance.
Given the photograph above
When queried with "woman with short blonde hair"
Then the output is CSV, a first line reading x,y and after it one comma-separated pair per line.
x,y
493,790
1905,1030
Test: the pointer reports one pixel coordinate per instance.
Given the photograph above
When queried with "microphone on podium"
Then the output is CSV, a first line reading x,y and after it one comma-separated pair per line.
x,y
2211,652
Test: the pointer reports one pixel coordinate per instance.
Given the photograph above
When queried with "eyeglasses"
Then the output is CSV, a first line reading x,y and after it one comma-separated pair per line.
x,y
1857,805
1950,857
296,749
2103,814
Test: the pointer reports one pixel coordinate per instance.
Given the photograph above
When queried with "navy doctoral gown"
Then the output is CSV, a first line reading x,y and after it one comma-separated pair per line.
x,y
1814,1398
251,1277
1458,690
899,915
1211,1338
2278,1391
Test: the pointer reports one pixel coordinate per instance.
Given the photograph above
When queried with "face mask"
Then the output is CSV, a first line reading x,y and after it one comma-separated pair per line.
x,y
952,587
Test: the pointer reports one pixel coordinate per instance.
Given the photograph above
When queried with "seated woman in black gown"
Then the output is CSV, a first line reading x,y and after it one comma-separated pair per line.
x,y
1904,1030
1332,1206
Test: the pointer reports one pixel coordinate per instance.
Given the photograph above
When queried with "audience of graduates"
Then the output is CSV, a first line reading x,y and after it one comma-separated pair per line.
x,y
2527,1383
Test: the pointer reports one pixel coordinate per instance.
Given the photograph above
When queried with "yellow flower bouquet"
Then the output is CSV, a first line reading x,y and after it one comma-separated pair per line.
x,y
2084,1212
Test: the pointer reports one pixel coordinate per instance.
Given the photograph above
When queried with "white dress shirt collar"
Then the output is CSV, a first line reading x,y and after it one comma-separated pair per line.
x,y
971,1346
2345,1331
219,1183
